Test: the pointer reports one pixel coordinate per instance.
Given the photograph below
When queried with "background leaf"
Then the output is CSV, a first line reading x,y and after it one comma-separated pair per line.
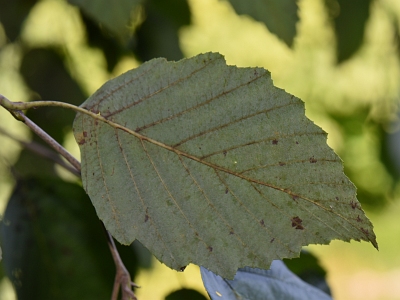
x,y
185,294
276,283
349,18
280,16
158,36
13,14
308,269
211,164
54,246
114,17
45,74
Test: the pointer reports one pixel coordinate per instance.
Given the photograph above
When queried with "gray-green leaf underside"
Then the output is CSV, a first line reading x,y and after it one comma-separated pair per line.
x,y
211,164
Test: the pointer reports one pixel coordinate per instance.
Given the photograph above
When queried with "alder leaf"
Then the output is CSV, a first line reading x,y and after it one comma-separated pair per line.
x,y
211,164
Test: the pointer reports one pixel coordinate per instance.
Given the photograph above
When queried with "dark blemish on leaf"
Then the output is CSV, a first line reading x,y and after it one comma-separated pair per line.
x,y
337,198
146,217
231,232
82,141
262,222
85,134
226,191
282,163
274,142
182,268
93,174
196,234
353,204
295,197
358,219
297,142
296,223
365,231
137,129
272,240
224,152
209,248
313,160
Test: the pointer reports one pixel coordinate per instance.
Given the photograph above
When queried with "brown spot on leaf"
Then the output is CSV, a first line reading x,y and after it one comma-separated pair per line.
x,y
353,204
146,217
282,163
224,152
297,223
274,142
262,222
231,232
295,197
226,191
297,143
137,129
209,248
313,160
358,219
80,137
273,239
337,198
365,231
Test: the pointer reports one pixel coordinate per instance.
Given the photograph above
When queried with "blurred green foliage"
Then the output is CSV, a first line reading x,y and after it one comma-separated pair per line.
x,y
54,245
362,35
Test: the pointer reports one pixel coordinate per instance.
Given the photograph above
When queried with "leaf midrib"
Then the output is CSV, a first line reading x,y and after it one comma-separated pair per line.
x,y
216,167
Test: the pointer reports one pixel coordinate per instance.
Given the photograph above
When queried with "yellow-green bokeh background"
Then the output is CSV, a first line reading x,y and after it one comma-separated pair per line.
x,y
369,80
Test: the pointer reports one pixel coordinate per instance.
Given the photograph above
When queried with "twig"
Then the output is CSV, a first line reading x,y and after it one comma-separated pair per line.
x,y
43,152
122,277
49,140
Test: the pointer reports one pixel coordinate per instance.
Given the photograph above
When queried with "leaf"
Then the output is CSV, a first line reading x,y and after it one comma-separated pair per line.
x,y
54,247
13,14
280,16
308,269
276,283
349,18
113,16
158,34
44,72
185,294
211,164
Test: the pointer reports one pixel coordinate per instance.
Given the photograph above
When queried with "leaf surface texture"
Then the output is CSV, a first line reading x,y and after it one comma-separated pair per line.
x,y
211,164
